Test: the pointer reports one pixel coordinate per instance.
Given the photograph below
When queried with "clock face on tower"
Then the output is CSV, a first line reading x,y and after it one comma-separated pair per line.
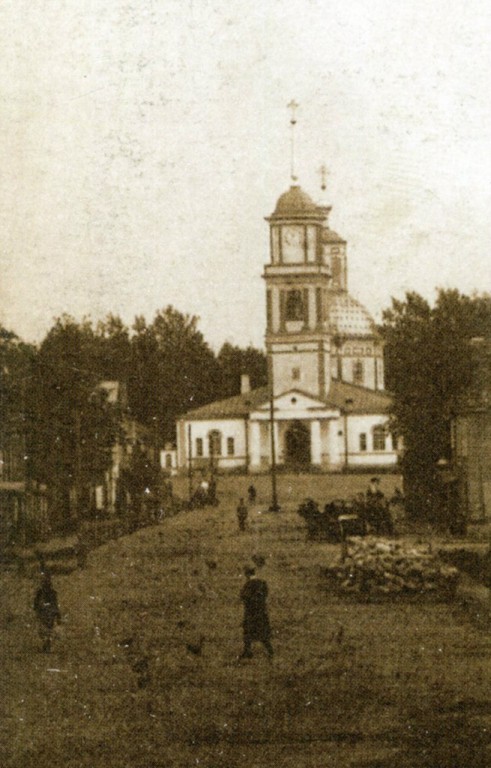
x,y
292,244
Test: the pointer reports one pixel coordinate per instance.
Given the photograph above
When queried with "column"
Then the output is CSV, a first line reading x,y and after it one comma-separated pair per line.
x,y
254,444
315,442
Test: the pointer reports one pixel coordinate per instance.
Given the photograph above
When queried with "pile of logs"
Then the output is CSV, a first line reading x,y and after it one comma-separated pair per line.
x,y
382,567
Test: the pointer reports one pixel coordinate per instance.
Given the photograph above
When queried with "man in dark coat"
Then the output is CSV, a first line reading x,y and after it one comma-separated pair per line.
x,y
256,620
251,494
242,515
377,512
47,611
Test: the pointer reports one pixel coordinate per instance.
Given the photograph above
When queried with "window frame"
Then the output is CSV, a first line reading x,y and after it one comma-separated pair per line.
x,y
379,432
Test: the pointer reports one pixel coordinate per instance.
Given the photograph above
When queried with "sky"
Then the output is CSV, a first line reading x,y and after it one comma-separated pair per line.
x,y
144,141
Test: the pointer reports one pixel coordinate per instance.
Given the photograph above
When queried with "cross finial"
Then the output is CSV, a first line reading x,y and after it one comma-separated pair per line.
x,y
323,174
293,106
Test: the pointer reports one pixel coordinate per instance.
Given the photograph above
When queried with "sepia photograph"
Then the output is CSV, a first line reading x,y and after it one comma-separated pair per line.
x,y
245,384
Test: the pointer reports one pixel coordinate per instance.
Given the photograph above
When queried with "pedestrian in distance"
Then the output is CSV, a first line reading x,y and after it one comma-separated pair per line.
x,y
212,492
255,625
242,513
252,494
47,611
377,512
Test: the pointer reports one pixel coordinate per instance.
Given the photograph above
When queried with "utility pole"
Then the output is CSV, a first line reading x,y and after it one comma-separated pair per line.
x,y
348,408
78,462
190,465
275,507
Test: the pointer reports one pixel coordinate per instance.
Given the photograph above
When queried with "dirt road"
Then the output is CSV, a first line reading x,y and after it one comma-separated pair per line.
x,y
350,685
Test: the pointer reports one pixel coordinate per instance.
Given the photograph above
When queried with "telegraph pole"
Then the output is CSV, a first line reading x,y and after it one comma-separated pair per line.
x,y
190,465
275,507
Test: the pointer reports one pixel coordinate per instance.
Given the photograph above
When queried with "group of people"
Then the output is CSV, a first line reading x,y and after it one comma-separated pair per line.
x,y
255,625
206,493
253,595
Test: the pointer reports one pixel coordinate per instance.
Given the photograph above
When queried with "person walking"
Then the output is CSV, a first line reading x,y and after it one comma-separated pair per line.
x,y
47,611
252,494
242,513
255,625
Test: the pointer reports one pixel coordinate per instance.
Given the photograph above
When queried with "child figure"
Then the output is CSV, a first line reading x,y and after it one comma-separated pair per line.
x,y
47,611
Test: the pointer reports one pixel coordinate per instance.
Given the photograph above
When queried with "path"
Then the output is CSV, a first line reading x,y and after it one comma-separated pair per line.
x,y
402,685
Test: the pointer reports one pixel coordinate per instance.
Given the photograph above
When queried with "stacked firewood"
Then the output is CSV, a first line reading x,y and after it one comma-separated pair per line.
x,y
374,566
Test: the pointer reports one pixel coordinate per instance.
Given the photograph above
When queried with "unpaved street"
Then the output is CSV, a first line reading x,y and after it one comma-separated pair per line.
x,y
350,684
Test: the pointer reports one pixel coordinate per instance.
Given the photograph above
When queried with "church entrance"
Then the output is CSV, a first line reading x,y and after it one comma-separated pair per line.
x,y
297,444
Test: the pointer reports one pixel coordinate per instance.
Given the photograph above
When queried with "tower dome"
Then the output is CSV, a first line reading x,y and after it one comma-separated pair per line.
x,y
296,203
350,318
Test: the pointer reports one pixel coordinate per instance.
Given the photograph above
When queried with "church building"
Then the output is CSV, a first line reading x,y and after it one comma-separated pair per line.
x,y
325,406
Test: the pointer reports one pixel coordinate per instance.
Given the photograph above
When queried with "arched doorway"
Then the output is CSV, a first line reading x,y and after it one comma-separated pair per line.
x,y
297,444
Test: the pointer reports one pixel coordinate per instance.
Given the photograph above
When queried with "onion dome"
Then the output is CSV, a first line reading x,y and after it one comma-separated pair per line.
x,y
348,317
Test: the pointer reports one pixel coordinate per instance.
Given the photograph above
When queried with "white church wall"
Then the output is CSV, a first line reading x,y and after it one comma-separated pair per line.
x,y
331,445
369,375
365,424
286,366
229,430
265,444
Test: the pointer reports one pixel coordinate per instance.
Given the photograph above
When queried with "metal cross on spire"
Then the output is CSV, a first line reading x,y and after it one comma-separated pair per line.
x,y
293,106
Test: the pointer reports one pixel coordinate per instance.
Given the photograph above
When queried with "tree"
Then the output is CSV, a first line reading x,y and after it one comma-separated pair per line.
x,y
73,428
113,358
233,362
173,369
428,366
15,360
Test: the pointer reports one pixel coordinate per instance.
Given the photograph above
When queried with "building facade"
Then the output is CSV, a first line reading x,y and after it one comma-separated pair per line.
x,y
471,438
325,406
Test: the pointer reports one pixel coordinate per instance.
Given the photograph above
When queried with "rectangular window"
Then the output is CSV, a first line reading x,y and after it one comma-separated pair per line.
x,y
215,443
379,438
199,446
230,446
363,441
296,374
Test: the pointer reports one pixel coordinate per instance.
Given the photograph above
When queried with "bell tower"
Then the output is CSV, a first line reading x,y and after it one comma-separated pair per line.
x,y
297,282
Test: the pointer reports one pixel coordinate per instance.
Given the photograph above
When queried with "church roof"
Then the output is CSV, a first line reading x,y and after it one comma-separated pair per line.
x,y
236,407
330,236
348,317
364,401
295,203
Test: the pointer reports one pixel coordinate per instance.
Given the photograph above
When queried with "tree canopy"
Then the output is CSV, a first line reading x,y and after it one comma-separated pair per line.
x,y
428,366
61,414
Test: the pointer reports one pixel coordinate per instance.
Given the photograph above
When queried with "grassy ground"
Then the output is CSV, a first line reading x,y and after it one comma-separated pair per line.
x,y
406,685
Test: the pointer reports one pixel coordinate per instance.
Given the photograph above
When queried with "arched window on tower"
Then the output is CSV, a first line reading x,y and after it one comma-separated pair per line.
x,y
294,306
215,443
